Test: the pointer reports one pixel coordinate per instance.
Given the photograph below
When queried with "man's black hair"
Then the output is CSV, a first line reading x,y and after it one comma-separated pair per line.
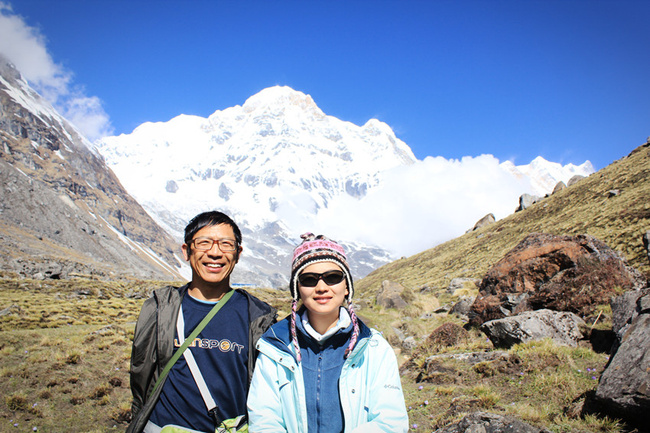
x,y
208,219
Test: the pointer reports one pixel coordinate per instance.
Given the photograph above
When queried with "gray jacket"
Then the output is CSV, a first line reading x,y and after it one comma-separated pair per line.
x,y
153,345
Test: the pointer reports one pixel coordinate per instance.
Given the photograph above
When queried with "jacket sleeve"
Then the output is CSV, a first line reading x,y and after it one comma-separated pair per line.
x,y
143,355
264,404
385,398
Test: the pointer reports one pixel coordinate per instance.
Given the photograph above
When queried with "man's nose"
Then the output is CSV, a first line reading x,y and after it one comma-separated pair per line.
x,y
215,250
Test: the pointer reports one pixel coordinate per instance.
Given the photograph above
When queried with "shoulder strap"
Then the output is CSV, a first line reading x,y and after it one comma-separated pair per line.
x,y
190,338
194,367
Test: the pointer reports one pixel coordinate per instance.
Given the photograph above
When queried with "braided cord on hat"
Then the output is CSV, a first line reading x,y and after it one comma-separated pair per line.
x,y
294,335
355,331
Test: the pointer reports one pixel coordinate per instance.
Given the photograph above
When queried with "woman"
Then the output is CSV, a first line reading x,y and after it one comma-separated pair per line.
x,y
322,369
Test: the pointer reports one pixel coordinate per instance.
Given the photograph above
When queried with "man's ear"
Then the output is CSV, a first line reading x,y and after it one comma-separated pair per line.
x,y
186,252
238,254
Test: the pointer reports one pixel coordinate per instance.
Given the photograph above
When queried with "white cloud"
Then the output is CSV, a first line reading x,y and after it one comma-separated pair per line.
x,y
26,48
422,205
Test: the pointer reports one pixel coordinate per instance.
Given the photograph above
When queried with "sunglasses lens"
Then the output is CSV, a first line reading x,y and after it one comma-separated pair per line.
x,y
311,279
332,278
308,280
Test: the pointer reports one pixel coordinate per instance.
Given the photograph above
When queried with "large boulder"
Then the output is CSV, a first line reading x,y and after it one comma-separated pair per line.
x,y
461,283
559,187
390,295
562,327
646,243
624,388
485,221
561,273
526,201
485,422
462,307
448,335
574,179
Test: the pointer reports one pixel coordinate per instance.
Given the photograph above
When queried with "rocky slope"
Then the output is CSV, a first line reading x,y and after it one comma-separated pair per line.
x,y
610,205
62,210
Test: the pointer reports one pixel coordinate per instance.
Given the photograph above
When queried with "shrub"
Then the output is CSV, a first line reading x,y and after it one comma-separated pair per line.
x,y
77,400
16,402
101,391
73,358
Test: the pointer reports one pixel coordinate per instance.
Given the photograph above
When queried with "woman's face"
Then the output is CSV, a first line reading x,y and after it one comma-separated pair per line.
x,y
322,300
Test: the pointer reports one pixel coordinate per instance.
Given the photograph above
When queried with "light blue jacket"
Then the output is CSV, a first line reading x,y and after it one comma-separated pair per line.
x,y
369,386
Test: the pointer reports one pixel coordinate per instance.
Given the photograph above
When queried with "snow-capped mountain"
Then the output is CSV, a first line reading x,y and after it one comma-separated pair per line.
x,y
544,175
280,166
271,164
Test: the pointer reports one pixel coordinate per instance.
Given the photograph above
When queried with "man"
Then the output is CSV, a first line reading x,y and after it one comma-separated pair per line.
x,y
224,350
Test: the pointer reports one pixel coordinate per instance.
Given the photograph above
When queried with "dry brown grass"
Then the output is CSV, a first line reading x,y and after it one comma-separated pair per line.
x,y
65,344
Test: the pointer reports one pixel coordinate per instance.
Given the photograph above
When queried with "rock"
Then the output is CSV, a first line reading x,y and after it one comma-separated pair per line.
x,y
447,335
526,201
613,193
12,309
171,186
559,187
462,308
561,273
646,243
462,283
409,344
399,334
485,422
562,327
472,358
624,388
389,296
624,311
575,179
486,220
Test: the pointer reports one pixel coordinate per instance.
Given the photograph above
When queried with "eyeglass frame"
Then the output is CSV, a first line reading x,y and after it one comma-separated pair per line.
x,y
214,241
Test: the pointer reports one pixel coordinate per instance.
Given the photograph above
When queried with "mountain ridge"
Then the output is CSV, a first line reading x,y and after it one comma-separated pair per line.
x,y
63,211
609,204
279,166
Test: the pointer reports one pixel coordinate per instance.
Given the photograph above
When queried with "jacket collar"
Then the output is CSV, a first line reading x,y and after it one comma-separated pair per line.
x,y
279,335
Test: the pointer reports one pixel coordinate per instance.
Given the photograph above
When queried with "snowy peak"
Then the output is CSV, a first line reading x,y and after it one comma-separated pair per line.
x,y
280,167
544,175
281,99
17,88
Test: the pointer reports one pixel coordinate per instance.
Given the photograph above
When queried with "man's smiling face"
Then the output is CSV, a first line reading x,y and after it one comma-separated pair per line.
x,y
212,268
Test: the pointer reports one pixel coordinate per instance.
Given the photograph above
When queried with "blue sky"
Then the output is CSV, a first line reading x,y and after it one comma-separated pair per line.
x,y
567,80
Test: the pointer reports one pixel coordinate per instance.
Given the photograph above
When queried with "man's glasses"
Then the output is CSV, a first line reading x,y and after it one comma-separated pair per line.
x,y
205,244
310,279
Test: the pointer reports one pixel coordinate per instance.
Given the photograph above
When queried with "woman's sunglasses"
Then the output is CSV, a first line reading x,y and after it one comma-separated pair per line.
x,y
310,279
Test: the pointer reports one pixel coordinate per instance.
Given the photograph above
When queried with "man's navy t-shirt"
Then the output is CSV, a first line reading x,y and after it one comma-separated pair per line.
x,y
221,352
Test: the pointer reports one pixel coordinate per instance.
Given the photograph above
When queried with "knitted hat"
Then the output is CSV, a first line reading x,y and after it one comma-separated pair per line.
x,y
317,249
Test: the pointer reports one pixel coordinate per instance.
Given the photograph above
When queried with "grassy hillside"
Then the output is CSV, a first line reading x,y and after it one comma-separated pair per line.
x,y
585,208
65,344
65,349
